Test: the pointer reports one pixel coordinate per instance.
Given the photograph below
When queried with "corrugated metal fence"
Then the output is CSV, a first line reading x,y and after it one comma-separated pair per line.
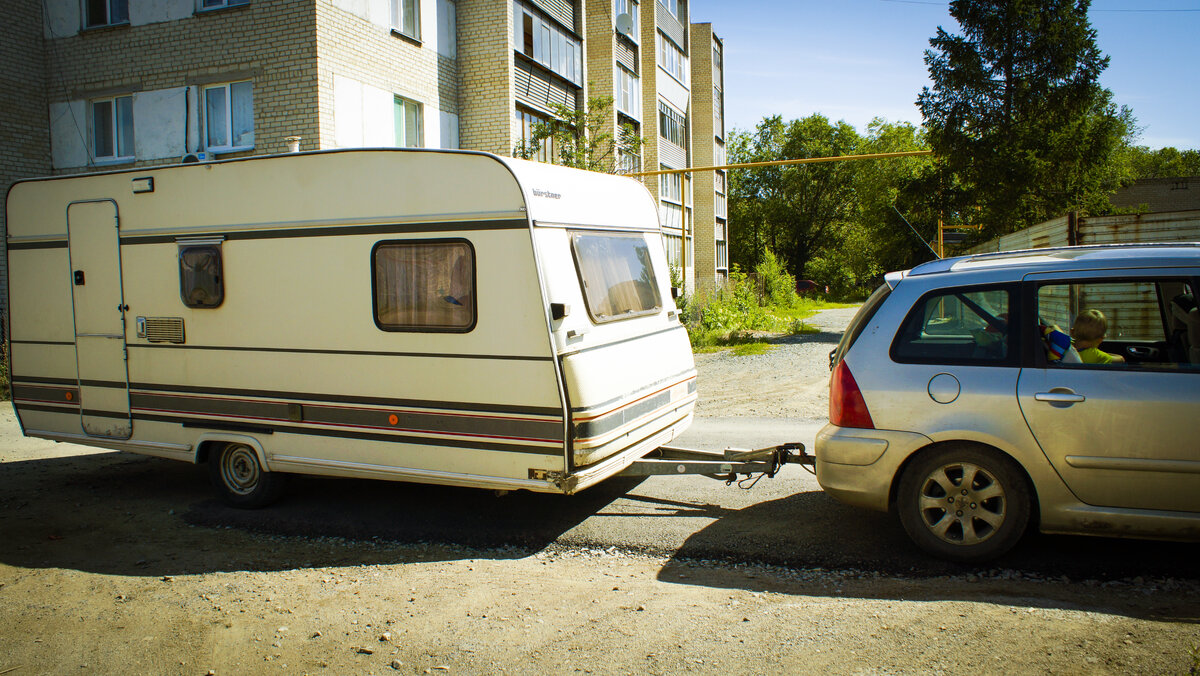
x,y
1171,226
1131,307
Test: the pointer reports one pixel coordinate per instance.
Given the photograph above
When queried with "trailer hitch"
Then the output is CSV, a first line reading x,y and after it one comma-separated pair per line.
x,y
724,465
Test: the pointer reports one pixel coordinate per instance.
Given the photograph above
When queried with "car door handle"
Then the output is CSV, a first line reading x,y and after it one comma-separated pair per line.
x,y
1060,397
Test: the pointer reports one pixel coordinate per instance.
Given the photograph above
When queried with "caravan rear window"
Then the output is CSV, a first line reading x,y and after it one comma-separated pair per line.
x,y
617,276
424,285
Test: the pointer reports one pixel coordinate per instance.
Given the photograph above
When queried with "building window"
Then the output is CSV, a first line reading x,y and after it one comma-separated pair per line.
x,y
408,123
670,216
406,18
672,125
629,7
722,246
229,116
629,93
672,7
218,4
528,120
112,129
426,285
718,112
545,42
201,284
670,186
107,12
671,59
674,250
617,276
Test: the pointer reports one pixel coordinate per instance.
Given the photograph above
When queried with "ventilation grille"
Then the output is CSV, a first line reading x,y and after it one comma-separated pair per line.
x,y
164,329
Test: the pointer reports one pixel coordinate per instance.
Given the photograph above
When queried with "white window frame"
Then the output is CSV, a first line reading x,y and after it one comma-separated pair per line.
x,y
400,109
629,93
115,131
672,59
208,5
228,87
397,16
631,8
553,47
109,6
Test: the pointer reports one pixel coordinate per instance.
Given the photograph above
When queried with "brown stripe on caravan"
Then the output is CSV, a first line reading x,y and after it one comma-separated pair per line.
x,y
342,230
45,394
354,400
421,422
473,444
587,428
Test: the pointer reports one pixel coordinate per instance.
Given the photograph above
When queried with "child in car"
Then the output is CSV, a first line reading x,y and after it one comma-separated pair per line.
x,y
1088,332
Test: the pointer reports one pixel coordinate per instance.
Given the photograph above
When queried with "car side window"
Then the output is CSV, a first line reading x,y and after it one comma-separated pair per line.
x,y
958,326
1130,323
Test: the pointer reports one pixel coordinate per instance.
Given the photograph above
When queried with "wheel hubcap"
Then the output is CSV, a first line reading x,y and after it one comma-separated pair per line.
x,y
962,503
240,470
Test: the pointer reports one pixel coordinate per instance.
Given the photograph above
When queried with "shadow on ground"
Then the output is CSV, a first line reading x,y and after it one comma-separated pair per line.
x,y
121,514
830,541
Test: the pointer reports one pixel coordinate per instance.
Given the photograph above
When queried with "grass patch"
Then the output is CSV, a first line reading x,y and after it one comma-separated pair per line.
x,y
751,349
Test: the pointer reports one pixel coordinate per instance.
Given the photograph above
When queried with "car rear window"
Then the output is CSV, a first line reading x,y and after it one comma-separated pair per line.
x,y
958,326
860,321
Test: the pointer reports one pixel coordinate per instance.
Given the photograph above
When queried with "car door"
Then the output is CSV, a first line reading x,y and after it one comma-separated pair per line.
x,y
1124,434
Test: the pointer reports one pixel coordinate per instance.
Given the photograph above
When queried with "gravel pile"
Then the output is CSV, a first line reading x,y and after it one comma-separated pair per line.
x,y
789,381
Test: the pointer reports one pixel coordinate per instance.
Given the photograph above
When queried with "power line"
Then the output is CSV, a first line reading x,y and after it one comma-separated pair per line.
x,y
1136,11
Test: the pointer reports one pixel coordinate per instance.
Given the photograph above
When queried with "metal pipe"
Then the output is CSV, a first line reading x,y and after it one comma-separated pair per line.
x,y
772,163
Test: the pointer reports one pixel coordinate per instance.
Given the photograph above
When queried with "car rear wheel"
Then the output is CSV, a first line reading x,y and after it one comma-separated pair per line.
x,y
964,503
241,479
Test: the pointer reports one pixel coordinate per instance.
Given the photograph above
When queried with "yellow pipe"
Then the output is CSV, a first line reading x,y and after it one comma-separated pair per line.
x,y
772,163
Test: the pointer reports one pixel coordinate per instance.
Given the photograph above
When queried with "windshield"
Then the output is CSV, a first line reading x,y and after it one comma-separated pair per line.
x,y
617,275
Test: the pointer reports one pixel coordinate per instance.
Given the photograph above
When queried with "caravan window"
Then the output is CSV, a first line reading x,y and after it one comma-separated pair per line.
x,y
424,285
201,283
617,276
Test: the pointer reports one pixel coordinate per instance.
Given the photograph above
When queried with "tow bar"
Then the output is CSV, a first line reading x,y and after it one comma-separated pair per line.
x,y
724,466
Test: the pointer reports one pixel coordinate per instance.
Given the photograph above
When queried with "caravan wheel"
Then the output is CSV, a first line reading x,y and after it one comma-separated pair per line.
x,y
240,478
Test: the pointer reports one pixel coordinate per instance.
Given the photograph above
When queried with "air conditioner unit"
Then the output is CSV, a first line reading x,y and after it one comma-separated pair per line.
x,y
192,158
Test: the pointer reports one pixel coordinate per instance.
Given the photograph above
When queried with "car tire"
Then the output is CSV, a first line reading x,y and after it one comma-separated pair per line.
x,y
240,478
964,503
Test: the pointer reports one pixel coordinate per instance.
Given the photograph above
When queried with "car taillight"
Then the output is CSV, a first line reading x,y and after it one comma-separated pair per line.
x,y
847,408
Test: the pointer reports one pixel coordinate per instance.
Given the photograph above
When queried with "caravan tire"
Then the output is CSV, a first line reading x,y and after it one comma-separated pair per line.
x,y
241,479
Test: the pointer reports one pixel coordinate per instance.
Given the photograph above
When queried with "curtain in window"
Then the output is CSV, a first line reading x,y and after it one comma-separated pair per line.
x,y
102,125
214,115
125,126
242,111
617,275
200,282
425,286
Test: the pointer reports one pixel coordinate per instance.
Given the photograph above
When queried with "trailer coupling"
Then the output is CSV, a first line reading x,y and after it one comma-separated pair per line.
x,y
725,466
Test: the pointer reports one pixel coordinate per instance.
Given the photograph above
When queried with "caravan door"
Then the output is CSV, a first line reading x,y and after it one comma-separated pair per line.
x,y
99,309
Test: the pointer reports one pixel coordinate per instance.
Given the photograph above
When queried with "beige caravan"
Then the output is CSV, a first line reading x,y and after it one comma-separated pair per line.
x,y
443,317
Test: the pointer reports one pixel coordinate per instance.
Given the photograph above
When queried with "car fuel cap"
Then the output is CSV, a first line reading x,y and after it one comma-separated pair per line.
x,y
944,388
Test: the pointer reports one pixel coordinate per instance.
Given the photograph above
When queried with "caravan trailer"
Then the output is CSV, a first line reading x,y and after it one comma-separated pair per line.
x,y
442,317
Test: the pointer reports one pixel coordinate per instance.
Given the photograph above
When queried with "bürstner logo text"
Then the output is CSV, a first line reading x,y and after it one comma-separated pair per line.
x,y
538,192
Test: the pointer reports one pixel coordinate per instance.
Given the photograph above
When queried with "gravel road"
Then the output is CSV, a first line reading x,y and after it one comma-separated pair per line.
x,y
791,380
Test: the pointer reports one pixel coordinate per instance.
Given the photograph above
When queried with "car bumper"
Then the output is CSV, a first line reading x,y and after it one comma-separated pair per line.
x,y
857,466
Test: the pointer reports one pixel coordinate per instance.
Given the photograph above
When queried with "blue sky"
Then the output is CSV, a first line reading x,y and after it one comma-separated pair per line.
x,y
854,60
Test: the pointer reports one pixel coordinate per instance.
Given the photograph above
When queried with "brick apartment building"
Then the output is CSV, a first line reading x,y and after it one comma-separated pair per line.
x,y
104,84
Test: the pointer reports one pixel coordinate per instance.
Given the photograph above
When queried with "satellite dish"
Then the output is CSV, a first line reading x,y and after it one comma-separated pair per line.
x,y
625,24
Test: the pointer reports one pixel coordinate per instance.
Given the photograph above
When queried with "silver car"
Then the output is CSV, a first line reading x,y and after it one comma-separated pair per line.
x,y
957,401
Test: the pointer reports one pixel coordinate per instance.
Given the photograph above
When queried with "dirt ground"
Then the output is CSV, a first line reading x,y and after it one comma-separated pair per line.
x,y
104,569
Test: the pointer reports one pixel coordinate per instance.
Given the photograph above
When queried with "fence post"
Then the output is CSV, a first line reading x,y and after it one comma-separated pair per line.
x,y
1072,228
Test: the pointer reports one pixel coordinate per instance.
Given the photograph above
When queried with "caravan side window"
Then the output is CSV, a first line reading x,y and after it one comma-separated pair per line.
x,y
424,285
617,276
201,282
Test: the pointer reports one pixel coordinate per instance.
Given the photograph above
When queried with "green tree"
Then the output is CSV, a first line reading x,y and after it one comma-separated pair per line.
x,y
580,139
1021,127
1163,163
792,210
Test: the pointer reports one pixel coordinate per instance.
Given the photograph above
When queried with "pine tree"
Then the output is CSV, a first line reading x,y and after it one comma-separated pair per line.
x,y
1017,117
